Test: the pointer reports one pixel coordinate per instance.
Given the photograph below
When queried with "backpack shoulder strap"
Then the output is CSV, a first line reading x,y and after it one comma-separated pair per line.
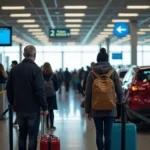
x,y
96,74
110,73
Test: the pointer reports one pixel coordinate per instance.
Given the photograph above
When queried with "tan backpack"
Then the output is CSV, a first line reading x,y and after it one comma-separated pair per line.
x,y
103,92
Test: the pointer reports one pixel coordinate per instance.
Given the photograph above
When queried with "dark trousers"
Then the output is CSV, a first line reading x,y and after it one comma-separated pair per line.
x,y
103,126
51,117
28,125
67,86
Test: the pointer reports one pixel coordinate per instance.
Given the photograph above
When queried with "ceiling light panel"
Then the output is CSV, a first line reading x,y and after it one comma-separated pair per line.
x,y
13,7
34,30
74,14
110,25
120,20
141,33
20,15
144,30
108,30
128,14
138,7
106,33
38,33
73,20
26,21
74,33
76,7
75,30
31,25
73,25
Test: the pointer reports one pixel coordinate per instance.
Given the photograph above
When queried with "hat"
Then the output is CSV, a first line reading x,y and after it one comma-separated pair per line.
x,y
102,55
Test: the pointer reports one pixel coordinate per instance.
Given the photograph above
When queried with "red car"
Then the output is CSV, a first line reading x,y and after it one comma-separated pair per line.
x,y
136,88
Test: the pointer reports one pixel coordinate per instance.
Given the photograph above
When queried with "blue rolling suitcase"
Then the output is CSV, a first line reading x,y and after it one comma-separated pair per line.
x,y
124,134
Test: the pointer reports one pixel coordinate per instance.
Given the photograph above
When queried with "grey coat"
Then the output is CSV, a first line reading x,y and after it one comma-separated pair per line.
x,y
101,68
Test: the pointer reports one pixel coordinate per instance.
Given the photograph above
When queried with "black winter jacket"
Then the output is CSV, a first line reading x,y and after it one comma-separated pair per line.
x,y
25,88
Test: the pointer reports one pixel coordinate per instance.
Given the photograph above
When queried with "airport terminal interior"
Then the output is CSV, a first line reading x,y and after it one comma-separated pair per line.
x,y
69,34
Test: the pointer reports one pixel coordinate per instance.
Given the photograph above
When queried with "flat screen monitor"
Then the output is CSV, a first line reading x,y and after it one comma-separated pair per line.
x,y
5,36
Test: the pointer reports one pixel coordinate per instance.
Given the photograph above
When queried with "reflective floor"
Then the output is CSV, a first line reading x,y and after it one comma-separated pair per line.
x,y
75,132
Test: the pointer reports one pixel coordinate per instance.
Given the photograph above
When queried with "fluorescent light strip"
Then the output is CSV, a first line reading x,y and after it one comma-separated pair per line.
x,y
106,33
120,20
38,33
76,7
20,15
74,14
73,20
108,30
73,25
141,33
128,14
31,25
74,33
110,25
138,7
144,30
25,21
75,30
34,30
13,7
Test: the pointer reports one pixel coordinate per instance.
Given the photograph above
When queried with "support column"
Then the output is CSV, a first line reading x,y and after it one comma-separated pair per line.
x,y
108,45
20,52
133,33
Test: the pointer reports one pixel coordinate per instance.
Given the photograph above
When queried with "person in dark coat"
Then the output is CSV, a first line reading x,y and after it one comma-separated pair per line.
x,y
67,76
52,102
103,119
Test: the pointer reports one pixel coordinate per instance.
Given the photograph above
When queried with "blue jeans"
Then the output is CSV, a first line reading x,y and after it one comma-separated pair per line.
x,y
103,126
28,125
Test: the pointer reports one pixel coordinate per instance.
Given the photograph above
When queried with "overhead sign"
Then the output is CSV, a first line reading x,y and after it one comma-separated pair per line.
x,y
116,55
59,33
121,29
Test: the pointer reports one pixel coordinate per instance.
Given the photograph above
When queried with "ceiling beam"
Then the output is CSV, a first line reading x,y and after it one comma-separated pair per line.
x,y
143,21
96,22
47,14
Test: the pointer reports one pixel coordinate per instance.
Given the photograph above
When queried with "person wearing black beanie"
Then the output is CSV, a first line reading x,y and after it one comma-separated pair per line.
x,y
103,119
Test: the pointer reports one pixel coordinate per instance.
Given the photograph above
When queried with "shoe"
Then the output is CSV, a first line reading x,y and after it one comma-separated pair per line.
x,y
53,128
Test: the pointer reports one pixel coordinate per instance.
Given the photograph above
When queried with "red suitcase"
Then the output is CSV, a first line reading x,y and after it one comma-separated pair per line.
x,y
49,141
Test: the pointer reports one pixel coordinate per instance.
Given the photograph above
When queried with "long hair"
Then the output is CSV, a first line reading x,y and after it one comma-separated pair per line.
x,y
2,71
47,68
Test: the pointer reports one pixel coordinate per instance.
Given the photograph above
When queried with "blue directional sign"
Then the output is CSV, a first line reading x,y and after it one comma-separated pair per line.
x,y
121,29
116,55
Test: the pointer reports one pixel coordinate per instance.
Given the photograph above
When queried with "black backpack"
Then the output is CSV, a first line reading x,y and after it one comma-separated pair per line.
x,y
49,87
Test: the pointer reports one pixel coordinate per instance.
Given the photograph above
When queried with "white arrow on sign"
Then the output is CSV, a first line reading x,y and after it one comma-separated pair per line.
x,y
120,29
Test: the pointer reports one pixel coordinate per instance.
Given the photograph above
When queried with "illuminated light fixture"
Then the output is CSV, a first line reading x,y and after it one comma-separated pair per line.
x,y
73,25
106,33
74,33
76,7
128,14
104,36
120,20
144,30
40,36
73,20
20,15
141,33
110,25
34,30
138,7
25,21
38,33
74,15
13,7
31,25
108,30
75,30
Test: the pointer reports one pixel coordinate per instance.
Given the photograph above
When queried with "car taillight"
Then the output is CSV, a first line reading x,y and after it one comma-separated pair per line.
x,y
137,88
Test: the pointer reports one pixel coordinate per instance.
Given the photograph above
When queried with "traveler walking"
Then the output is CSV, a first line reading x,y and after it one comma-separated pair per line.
x,y
67,76
25,91
100,100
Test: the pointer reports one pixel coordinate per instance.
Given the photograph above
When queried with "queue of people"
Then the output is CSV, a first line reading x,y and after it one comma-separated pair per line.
x,y
31,89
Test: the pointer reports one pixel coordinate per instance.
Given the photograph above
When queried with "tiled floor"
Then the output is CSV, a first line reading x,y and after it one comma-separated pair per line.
x,y
75,132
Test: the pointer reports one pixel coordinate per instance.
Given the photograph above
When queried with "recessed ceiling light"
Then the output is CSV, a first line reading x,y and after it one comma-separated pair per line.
x,y
108,29
141,33
110,25
120,20
74,14
74,30
13,7
75,7
20,15
73,20
38,33
138,7
73,25
34,30
145,30
128,14
74,33
31,25
25,21
106,33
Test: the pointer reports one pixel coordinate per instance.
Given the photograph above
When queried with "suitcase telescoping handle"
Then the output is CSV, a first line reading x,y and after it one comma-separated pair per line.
x,y
43,124
123,126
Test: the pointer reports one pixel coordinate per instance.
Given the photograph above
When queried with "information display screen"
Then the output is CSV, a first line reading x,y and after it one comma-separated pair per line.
x,y
5,36
116,55
59,33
